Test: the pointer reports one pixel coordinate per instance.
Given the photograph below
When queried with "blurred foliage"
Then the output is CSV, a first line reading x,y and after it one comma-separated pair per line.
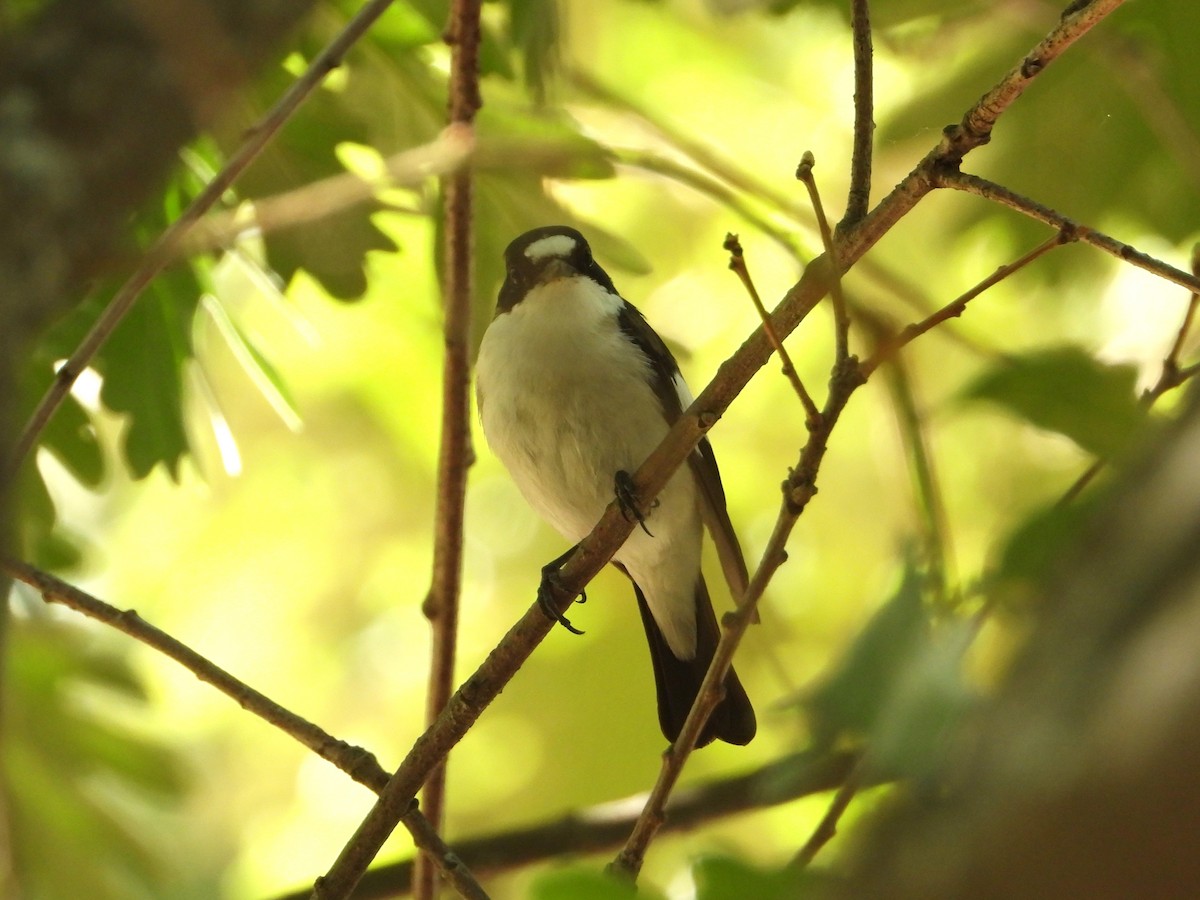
x,y
582,884
250,463
728,878
1066,390
79,776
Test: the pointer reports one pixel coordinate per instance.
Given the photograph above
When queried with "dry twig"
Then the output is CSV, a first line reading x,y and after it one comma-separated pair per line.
x,y
737,262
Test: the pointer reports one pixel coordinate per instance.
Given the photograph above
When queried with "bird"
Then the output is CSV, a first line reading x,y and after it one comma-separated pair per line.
x,y
574,390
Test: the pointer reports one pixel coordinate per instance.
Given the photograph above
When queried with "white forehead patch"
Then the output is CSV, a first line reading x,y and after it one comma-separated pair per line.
x,y
559,245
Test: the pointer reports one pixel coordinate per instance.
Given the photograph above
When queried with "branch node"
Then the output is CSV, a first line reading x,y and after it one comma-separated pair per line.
x,y
1032,66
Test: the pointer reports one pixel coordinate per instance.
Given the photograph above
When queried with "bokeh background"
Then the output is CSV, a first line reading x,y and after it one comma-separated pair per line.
x,y
250,462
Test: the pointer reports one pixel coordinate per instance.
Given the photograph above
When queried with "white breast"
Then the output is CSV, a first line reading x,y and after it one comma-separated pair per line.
x,y
566,402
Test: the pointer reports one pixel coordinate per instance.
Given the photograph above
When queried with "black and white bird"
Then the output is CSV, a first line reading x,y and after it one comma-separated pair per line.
x,y
575,390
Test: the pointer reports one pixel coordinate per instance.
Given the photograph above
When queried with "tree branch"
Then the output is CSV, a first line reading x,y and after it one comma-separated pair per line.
x,y
456,454
841,315
1170,376
890,346
864,114
981,187
329,196
356,762
827,828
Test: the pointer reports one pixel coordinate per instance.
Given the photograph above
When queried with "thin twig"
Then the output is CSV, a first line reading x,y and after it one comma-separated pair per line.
x,y
864,114
165,248
956,307
729,175
1171,374
356,762
827,827
456,454
841,315
888,350
737,262
595,550
981,187
798,489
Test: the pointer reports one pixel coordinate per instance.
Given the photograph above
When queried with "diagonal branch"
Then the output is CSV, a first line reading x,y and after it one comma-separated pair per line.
x,y
798,489
356,762
981,187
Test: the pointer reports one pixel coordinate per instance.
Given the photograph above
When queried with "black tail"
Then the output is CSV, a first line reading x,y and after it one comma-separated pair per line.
x,y
678,680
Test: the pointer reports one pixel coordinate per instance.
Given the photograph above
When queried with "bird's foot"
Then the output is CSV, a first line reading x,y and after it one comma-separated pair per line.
x,y
549,589
627,499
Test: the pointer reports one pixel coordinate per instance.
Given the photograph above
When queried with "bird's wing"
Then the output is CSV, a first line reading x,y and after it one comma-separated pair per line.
x,y
672,392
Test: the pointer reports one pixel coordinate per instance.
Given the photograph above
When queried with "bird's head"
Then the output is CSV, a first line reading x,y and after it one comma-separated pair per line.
x,y
544,255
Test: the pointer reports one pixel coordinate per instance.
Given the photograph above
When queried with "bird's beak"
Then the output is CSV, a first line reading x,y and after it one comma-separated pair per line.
x,y
555,269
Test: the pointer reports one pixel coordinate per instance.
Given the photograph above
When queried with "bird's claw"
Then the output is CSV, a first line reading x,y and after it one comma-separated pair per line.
x,y
548,588
627,499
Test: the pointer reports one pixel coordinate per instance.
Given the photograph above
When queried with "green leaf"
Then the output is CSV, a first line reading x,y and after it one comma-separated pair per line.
x,y
928,698
1067,391
39,540
69,435
1042,538
584,884
726,878
536,31
852,698
333,250
143,370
